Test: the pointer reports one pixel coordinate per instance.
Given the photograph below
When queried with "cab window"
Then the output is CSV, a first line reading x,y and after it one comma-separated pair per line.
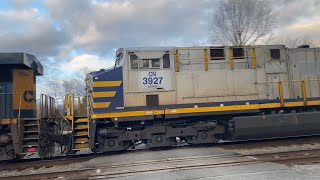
x,y
144,63
119,60
134,61
154,63
166,60
149,63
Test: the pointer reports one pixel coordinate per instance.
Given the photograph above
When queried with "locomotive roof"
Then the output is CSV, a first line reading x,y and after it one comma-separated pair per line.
x,y
168,48
151,48
28,60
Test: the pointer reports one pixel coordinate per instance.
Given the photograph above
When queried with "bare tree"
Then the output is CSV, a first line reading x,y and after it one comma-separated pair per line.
x,y
297,41
55,86
242,22
74,84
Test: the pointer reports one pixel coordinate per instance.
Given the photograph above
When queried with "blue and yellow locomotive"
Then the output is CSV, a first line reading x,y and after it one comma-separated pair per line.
x,y
159,95
19,125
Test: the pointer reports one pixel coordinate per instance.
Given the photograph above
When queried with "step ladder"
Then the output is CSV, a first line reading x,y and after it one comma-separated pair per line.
x,y
80,124
80,129
30,139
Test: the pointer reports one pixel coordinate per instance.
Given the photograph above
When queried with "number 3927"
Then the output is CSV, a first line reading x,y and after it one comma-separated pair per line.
x,y
152,80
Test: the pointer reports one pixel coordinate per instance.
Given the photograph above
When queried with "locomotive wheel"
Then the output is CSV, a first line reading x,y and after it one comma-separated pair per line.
x,y
113,144
204,137
159,140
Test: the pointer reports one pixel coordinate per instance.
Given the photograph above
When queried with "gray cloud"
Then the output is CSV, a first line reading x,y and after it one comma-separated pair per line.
x,y
21,4
80,30
293,11
40,38
99,27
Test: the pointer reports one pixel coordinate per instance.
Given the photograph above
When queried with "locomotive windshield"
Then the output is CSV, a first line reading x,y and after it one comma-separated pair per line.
x,y
119,60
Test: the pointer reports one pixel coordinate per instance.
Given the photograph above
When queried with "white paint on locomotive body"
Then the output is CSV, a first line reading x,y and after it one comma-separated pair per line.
x,y
220,83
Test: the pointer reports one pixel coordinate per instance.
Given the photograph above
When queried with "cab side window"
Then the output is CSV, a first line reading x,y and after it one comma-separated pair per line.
x,y
155,63
166,60
152,63
134,61
144,63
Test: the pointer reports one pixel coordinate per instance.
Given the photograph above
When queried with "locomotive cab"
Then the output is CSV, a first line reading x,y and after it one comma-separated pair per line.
x,y
141,78
149,76
18,126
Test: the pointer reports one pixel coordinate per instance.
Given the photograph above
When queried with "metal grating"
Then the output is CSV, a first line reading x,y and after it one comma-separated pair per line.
x,y
217,54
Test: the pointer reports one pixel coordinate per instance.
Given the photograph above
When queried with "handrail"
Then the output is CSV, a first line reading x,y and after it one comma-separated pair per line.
x,y
47,106
253,57
70,103
302,86
280,88
204,58
206,54
304,92
206,63
231,59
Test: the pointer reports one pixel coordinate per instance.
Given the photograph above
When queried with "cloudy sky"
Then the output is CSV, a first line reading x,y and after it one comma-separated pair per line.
x,y
67,35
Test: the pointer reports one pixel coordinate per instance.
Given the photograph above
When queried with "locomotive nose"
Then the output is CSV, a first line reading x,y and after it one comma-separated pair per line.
x,y
105,90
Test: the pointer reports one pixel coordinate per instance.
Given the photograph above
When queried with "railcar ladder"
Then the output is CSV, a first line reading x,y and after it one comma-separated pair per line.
x,y
30,140
80,133
80,124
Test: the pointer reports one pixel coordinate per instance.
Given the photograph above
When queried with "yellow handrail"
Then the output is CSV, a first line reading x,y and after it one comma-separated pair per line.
x,y
281,93
304,92
206,63
303,89
79,106
254,58
231,59
177,60
205,57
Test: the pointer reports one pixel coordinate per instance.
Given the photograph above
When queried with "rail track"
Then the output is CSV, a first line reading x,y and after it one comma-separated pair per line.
x,y
176,164
161,165
225,144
